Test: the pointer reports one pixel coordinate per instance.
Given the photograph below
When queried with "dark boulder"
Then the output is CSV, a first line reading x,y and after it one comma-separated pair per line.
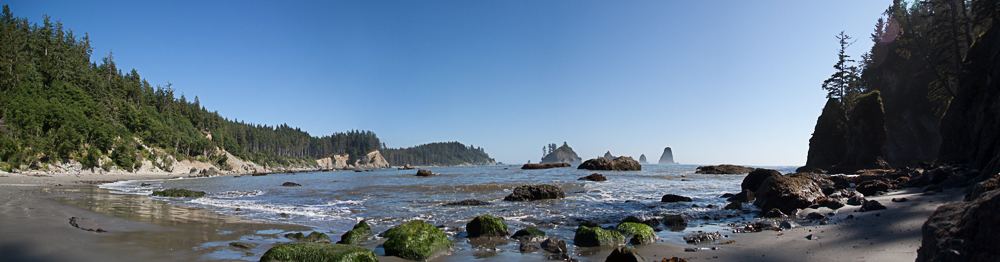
x,y
674,221
290,184
829,203
594,177
360,234
529,234
424,172
753,180
486,226
856,200
535,192
544,166
670,198
554,246
963,231
774,213
871,205
624,254
872,188
789,192
744,197
724,169
622,163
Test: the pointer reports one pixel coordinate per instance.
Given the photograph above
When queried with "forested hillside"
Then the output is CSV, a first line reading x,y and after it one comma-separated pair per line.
x,y
57,105
437,154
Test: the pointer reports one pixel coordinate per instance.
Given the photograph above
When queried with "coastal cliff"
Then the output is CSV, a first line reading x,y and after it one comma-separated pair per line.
x,y
562,154
372,160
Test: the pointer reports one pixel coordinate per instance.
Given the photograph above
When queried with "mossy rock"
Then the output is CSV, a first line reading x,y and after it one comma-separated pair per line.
x,y
317,252
530,234
642,234
312,237
361,234
596,237
176,192
486,226
416,240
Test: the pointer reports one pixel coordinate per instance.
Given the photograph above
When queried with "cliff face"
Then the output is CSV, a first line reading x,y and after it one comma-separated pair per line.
x,y
563,154
829,140
668,157
971,124
866,134
372,160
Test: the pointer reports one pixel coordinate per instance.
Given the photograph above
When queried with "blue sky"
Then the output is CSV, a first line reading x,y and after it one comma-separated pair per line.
x,y
717,81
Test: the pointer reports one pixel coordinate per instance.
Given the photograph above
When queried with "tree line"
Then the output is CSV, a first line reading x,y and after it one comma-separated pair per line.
x,y
437,154
57,105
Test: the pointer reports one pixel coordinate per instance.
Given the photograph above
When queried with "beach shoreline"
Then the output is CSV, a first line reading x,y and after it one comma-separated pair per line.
x,y
36,209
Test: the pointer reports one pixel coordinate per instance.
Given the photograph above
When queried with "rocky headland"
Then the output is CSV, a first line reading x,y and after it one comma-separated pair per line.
x,y
562,154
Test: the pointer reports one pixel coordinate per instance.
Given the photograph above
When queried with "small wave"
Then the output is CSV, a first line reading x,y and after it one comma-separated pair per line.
x,y
132,187
235,194
329,210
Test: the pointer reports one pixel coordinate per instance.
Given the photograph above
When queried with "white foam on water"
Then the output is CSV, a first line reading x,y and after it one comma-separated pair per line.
x,y
132,187
329,210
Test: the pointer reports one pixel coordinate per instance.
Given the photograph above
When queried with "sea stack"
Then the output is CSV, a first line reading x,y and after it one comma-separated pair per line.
x,y
667,158
642,159
608,155
563,154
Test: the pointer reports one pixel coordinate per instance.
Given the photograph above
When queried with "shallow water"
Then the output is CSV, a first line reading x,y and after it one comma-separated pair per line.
x,y
334,201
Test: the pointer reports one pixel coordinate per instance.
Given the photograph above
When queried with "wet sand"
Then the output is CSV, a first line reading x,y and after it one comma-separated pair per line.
x,y
35,213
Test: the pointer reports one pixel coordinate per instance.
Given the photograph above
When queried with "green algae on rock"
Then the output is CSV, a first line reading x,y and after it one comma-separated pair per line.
x,y
177,192
361,234
317,252
416,240
530,234
641,233
595,237
312,237
486,226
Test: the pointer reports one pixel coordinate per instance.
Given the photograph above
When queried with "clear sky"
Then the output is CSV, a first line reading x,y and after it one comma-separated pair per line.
x,y
717,81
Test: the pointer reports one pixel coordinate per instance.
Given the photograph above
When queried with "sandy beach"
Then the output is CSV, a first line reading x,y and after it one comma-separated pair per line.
x,y
36,211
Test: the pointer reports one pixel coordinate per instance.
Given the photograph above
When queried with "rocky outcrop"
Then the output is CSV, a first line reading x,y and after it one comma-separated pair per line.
x,y
608,155
545,165
625,254
425,173
372,160
468,202
529,234
866,134
290,184
622,163
963,231
563,154
596,237
594,177
486,226
316,237
829,139
671,198
969,128
535,192
790,192
360,234
642,159
724,169
637,233
667,158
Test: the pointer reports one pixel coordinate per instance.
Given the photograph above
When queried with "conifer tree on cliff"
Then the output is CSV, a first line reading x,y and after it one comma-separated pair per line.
x,y
843,84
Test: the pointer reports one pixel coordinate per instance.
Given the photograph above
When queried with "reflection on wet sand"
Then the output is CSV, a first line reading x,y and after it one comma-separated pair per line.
x,y
177,232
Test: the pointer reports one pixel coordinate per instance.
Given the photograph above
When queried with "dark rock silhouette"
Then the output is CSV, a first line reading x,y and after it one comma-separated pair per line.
x,y
724,169
608,155
866,134
545,166
642,159
563,154
622,163
667,158
594,177
535,192
790,192
829,139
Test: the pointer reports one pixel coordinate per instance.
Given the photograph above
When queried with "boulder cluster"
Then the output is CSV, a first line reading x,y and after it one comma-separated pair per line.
x,y
622,163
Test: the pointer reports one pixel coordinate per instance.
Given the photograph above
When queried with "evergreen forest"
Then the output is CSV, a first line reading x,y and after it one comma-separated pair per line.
x,y
57,105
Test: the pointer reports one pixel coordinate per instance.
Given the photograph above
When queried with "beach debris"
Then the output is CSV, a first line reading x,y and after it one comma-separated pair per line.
x,y
468,202
625,254
700,237
530,234
243,245
486,226
641,234
596,236
416,240
290,184
673,259
871,205
811,237
671,198
554,245
316,237
535,192
317,252
360,234
594,177
72,222
178,192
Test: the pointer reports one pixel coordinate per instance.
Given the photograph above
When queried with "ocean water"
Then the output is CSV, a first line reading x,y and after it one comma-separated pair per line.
x,y
334,201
